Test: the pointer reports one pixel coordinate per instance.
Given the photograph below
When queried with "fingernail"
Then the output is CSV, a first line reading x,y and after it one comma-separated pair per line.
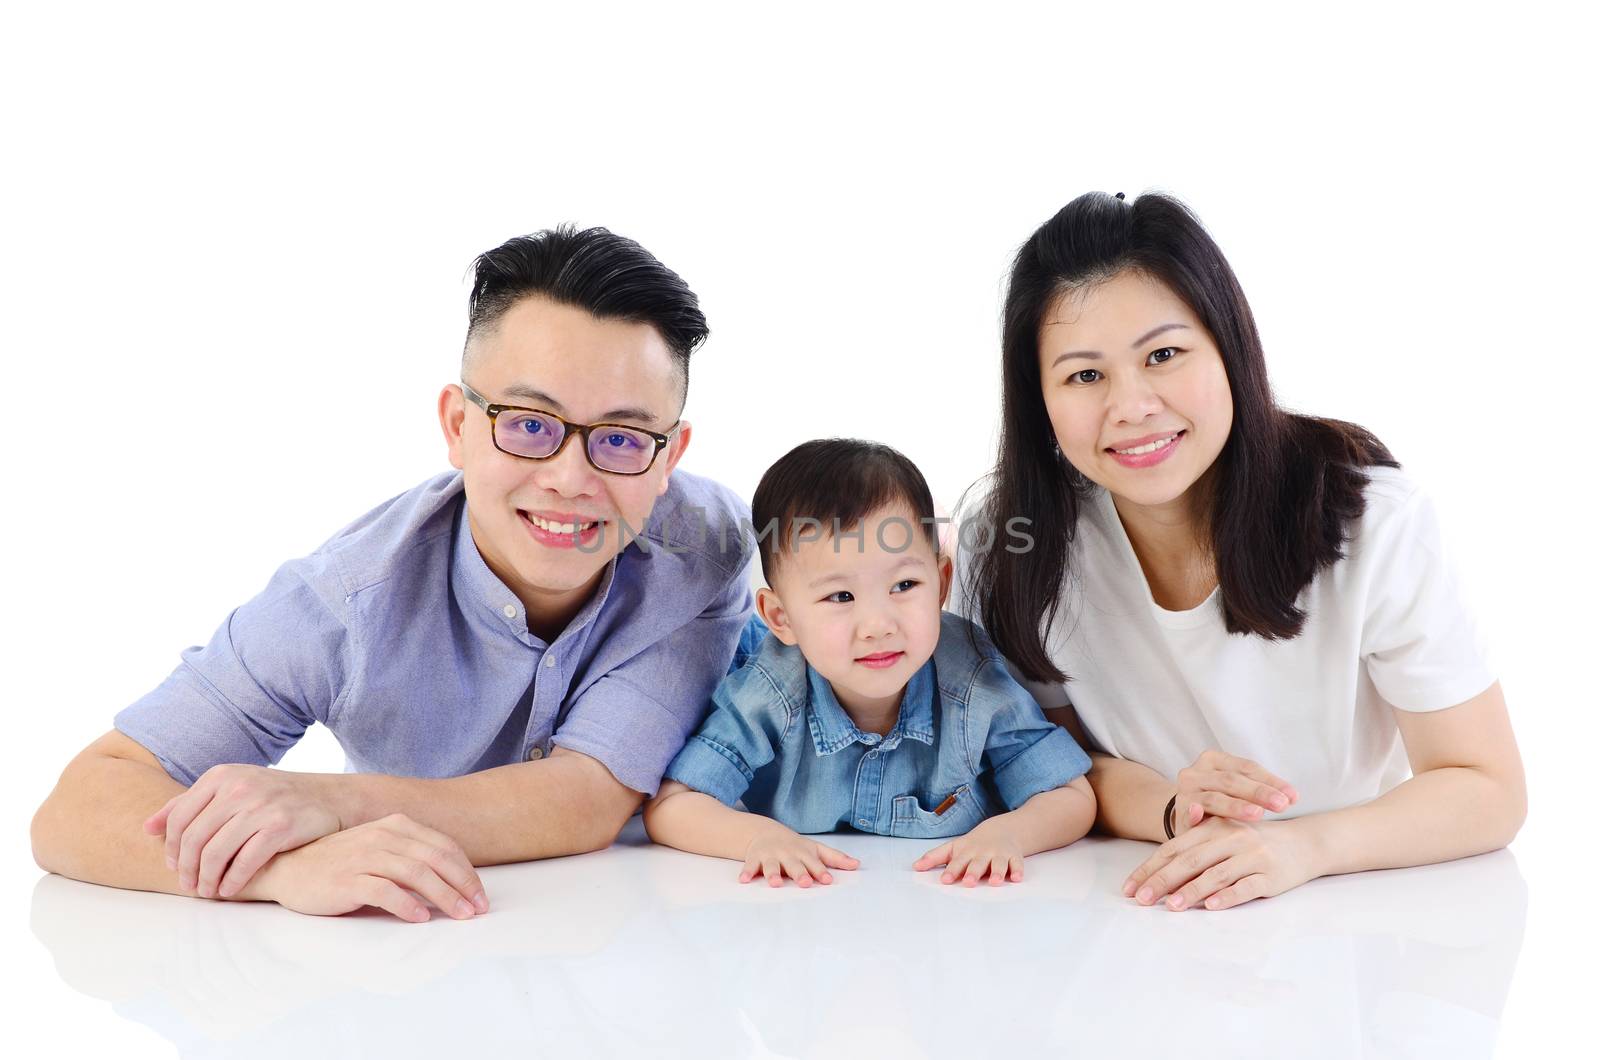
x,y
463,909
1279,801
1127,889
1175,902
1212,903
480,902
1146,895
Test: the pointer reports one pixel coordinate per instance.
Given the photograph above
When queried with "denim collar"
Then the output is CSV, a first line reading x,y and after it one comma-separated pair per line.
x,y
832,730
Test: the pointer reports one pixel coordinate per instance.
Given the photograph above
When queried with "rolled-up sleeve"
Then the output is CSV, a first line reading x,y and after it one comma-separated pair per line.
x,y
1022,751
274,667
746,727
636,717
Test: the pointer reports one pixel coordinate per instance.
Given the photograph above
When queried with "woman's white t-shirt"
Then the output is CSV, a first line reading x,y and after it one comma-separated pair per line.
x,y
1385,627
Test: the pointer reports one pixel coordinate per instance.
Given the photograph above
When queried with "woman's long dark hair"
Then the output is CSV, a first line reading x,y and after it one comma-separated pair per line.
x,y
1285,486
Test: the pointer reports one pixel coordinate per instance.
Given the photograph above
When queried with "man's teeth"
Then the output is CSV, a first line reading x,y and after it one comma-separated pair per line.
x,y
1152,447
559,528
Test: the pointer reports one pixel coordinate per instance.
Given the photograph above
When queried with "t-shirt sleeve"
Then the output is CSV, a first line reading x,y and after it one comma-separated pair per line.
x,y
636,717
1419,640
1023,752
275,666
747,724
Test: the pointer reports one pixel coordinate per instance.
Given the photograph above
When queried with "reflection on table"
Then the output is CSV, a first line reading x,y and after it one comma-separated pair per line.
x,y
640,950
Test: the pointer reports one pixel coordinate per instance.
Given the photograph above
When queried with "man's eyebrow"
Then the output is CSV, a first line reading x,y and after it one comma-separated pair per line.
x,y
544,401
1095,355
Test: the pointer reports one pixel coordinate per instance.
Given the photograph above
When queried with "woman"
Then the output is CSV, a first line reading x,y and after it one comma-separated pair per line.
x,y
1216,585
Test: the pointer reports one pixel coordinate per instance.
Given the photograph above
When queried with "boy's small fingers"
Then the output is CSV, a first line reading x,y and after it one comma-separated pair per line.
x,y
1016,870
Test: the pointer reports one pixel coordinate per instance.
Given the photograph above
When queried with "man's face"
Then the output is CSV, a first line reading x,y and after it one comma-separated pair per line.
x,y
547,528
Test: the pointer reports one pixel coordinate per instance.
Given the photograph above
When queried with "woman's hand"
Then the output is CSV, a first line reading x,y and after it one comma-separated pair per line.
x,y
1221,863
778,851
990,851
1222,785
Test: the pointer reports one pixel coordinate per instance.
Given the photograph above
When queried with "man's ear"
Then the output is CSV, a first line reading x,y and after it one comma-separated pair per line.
x,y
452,415
674,452
770,608
946,570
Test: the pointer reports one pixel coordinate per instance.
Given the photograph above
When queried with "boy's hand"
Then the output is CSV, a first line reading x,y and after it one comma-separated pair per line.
x,y
992,849
777,852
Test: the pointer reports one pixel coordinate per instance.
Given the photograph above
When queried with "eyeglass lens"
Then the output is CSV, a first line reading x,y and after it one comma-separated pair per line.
x,y
611,448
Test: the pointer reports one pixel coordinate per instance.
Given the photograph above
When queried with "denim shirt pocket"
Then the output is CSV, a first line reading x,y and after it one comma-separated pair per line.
x,y
915,816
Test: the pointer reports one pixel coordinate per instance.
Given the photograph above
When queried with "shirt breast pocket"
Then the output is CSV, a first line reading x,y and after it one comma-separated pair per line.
x,y
936,815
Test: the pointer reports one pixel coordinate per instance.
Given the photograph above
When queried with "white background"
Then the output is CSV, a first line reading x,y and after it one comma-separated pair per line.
x,y
236,241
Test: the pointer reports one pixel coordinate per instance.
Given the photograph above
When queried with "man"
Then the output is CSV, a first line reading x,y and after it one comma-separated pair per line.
x,y
539,630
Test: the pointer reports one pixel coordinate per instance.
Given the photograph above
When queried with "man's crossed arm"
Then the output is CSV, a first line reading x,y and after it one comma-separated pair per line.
x,y
319,843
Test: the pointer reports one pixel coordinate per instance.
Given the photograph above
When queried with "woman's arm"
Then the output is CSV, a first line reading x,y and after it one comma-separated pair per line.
x,y
1467,796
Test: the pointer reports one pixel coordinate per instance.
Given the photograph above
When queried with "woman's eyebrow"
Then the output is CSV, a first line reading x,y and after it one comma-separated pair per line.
x,y
1095,355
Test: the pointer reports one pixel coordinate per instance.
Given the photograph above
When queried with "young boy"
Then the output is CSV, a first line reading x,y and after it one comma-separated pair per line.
x,y
867,707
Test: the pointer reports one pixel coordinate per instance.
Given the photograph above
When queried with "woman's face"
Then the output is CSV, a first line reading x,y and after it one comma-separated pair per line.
x,y
1135,388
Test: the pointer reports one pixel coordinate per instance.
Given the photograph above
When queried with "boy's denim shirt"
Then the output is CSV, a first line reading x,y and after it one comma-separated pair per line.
x,y
777,738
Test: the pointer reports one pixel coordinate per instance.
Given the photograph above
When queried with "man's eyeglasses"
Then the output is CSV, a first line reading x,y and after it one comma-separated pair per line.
x,y
533,434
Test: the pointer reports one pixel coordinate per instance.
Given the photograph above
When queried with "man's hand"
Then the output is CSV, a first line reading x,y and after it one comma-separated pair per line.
x,y
386,863
233,820
990,850
778,851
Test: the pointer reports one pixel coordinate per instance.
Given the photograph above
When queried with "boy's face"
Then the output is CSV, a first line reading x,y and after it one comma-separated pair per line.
x,y
865,612
564,360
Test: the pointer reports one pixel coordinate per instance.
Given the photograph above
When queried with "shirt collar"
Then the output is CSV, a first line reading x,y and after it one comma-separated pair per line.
x,y
832,730
481,587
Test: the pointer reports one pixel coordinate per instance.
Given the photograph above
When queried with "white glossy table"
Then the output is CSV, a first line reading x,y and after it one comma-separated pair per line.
x,y
644,951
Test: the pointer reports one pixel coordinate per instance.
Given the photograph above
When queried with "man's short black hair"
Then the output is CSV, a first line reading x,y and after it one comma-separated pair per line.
x,y
609,275
837,482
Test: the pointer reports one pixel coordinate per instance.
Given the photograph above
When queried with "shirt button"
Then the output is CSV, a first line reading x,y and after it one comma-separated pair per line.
x,y
862,821
510,610
549,659
535,753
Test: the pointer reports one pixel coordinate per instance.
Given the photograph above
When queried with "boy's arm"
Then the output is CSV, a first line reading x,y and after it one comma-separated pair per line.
x,y
1051,818
690,820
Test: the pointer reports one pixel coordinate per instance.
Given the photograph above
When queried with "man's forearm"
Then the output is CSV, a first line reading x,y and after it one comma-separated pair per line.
x,y
91,826
564,804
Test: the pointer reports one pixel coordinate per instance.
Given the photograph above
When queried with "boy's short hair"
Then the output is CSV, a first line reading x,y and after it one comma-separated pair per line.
x,y
838,482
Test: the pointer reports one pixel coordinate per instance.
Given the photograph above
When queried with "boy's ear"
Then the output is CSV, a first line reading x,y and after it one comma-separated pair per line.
x,y
770,608
946,571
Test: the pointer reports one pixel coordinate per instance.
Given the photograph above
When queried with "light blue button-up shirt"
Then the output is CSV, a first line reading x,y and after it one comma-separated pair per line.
x,y
969,743
397,636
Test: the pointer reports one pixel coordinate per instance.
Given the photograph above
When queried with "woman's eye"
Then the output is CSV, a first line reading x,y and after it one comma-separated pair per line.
x,y
905,586
840,597
1088,375
1161,356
